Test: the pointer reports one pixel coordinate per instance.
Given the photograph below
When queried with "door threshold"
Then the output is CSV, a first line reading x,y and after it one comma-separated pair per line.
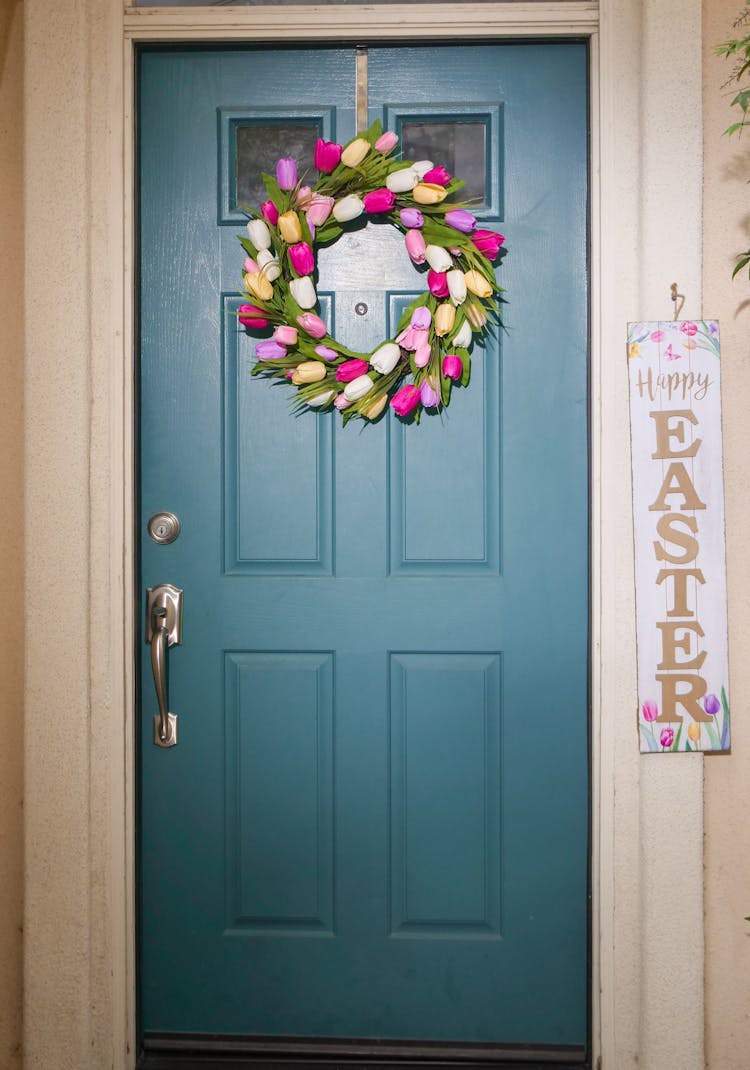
x,y
185,1051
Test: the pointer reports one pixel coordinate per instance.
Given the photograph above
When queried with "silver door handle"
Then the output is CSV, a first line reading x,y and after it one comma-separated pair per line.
x,y
163,629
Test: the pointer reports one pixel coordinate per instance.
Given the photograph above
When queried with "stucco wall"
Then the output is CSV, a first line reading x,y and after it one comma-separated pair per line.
x,y
727,779
11,528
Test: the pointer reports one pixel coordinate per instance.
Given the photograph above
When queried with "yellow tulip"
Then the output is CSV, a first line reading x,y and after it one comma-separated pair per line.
x,y
694,731
289,227
634,350
445,317
258,285
374,409
477,283
354,154
310,371
429,193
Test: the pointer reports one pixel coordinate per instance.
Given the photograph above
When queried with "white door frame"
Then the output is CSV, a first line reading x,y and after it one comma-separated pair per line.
x,y
79,947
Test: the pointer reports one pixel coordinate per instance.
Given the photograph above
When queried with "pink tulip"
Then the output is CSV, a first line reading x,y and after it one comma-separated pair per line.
x,y
452,367
250,266
341,402
460,219
476,315
422,355
427,395
312,325
438,176
303,198
650,711
351,369
301,256
438,283
270,212
286,173
405,400
689,328
327,156
415,246
415,334
379,200
488,242
386,141
285,335
252,316
318,210
411,217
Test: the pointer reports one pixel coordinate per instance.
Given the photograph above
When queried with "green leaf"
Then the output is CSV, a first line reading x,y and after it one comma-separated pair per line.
x,y
273,189
466,361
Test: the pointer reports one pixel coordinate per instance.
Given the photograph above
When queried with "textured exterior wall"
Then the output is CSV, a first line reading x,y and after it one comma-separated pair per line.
x,y
726,223
11,530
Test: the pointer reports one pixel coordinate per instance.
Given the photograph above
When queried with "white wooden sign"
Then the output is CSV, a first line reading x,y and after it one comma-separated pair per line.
x,y
678,518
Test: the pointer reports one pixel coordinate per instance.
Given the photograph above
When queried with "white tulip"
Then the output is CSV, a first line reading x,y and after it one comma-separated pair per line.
x,y
438,258
348,207
321,399
259,234
456,286
268,264
303,292
422,167
358,387
463,336
386,358
402,181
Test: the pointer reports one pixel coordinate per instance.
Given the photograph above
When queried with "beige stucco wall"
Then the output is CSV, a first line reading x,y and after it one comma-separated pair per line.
x,y
11,528
727,779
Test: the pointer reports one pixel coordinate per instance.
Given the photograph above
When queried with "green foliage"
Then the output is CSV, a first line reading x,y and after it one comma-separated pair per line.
x,y
738,49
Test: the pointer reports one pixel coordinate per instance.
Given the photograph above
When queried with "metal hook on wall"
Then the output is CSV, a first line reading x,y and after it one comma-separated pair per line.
x,y
678,298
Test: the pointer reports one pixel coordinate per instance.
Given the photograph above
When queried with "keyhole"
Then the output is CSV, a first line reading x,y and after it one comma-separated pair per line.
x,y
360,308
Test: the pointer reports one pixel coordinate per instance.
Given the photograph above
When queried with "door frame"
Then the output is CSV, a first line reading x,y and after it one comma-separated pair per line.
x,y
79,998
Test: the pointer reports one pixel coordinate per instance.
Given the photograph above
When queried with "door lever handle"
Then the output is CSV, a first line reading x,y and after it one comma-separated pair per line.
x,y
163,629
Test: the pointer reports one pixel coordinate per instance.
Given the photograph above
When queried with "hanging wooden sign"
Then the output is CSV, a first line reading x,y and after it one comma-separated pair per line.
x,y
678,517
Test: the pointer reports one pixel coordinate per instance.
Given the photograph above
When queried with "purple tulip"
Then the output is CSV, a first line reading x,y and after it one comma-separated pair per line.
x,y
405,400
438,283
452,367
252,316
488,242
415,246
312,325
460,219
301,256
438,176
269,350
351,369
326,353
387,141
650,711
327,155
411,217
428,396
666,739
270,212
379,200
415,334
711,705
286,173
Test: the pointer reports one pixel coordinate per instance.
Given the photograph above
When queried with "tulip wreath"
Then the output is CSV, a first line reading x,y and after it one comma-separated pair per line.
x,y
415,370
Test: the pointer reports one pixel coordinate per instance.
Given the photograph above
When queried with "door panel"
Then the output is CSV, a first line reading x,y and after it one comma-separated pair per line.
x,y
375,823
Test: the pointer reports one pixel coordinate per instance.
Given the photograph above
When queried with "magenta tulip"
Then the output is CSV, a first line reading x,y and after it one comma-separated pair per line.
x,y
411,217
253,317
650,711
269,350
437,282
379,200
428,396
452,367
438,176
327,155
312,325
286,173
387,141
351,369
405,400
460,219
667,737
326,353
270,212
488,242
711,705
415,246
301,256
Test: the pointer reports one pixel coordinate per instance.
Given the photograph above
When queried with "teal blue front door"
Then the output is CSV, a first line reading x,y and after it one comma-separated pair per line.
x,y
374,825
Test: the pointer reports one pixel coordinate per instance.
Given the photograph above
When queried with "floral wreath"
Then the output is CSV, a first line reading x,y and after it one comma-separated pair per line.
x,y
414,371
